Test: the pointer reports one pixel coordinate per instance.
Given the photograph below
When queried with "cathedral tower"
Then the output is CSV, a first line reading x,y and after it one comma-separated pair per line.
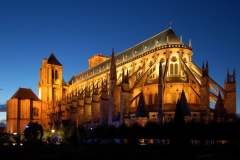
x,y
50,87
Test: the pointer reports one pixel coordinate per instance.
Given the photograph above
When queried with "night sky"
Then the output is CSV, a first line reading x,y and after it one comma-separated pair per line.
x,y
76,30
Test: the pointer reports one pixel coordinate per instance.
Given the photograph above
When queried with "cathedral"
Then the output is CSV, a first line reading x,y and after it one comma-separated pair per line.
x,y
140,84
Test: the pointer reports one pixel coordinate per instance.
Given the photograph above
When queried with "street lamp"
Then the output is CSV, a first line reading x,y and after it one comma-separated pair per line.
x,y
53,130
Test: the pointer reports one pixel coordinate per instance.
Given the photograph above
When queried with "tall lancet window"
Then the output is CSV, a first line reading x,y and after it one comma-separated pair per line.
x,y
56,74
173,69
52,74
176,68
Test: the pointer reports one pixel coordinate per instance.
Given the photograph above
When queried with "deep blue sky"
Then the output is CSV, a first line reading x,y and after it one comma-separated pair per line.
x,y
76,30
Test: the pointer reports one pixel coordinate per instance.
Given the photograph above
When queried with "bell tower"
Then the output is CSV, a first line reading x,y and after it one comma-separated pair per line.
x,y
50,82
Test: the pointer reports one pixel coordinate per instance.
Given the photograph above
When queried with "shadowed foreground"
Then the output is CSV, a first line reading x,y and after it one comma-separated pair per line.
x,y
120,152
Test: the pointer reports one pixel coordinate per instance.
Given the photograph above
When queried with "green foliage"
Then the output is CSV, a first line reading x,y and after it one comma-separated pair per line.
x,y
61,133
33,132
47,134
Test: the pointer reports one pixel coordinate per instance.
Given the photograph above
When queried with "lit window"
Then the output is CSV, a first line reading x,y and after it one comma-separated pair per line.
x,y
173,69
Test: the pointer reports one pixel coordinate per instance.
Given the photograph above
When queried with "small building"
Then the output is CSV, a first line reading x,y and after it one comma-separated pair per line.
x,y
23,107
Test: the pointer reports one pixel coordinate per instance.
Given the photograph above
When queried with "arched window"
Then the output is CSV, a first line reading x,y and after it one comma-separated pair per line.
x,y
176,68
56,74
52,74
173,69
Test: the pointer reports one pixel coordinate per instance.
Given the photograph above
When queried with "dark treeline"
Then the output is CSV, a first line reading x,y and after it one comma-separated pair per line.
x,y
212,130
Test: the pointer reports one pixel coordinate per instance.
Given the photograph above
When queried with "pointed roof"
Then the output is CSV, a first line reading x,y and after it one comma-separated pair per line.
x,y
184,104
53,60
219,110
178,117
141,109
25,93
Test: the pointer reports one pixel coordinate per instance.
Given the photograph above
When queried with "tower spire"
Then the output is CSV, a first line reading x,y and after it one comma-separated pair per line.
x,y
113,74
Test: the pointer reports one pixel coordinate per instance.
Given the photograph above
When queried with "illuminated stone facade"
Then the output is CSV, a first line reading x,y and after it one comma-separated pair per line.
x,y
23,107
159,68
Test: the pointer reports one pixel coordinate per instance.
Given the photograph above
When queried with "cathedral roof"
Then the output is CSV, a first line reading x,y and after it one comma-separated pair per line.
x,y
53,60
25,93
165,37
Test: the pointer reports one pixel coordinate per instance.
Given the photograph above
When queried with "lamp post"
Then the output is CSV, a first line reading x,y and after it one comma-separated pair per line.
x,y
53,130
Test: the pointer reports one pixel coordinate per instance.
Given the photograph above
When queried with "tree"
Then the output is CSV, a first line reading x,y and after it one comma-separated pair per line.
x,y
33,132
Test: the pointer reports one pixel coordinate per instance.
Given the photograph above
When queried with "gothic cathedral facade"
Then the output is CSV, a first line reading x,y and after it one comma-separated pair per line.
x,y
140,84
